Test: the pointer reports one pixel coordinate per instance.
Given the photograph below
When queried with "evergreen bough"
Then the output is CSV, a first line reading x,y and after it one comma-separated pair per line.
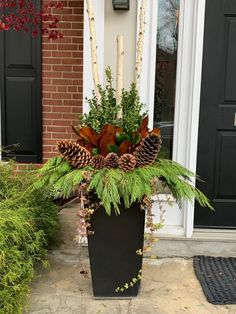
x,y
112,185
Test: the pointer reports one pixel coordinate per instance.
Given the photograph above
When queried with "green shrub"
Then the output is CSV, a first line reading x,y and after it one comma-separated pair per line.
x,y
27,221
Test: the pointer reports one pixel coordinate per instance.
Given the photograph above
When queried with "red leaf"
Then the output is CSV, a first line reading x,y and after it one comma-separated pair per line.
x,y
107,139
156,131
125,147
88,134
108,129
74,129
143,129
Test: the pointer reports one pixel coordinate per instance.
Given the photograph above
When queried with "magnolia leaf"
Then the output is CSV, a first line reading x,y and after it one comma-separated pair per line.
x,y
143,129
125,147
107,129
85,144
107,140
156,131
74,129
88,134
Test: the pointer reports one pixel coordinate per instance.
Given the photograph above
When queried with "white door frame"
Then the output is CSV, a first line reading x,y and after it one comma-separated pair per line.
x,y
188,86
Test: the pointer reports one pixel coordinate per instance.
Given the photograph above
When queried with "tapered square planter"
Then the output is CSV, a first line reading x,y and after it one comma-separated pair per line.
x,y
112,251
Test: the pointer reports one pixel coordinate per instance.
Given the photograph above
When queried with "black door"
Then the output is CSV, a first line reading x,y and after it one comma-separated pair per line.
x,y
216,162
20,95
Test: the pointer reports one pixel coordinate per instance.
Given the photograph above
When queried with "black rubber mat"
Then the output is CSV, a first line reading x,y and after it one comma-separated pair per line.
x,y
217,276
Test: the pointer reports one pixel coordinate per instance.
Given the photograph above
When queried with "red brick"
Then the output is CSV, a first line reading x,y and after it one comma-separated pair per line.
x,y
62,82
62,89
67,47
70,103
52,60
52,102
60,136
48,115
72,89
61,109
52,74
61,96
65,54
67,68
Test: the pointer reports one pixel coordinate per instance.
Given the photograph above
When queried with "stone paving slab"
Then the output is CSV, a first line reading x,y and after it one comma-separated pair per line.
x,y
168,286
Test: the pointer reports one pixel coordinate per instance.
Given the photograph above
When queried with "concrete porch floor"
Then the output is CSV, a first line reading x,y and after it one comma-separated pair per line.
x,y
168,284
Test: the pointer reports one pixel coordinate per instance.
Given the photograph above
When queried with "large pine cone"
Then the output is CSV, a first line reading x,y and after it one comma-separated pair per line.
x,y
98,161
147,151
111,160
127,162
75,154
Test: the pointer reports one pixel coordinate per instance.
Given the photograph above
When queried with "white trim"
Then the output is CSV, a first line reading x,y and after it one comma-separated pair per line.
x,y
99,13
188,84
188,88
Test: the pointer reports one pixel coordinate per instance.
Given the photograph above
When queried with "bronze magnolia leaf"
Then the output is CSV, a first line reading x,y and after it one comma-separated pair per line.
x,y
125,147
88,134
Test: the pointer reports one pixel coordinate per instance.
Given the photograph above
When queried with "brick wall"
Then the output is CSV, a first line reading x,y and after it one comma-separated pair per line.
x,y
62,78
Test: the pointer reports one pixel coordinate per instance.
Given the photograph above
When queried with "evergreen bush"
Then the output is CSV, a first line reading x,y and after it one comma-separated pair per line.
x,y
27,222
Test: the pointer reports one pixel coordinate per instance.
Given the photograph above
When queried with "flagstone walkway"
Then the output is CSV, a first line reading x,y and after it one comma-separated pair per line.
x,y
169,286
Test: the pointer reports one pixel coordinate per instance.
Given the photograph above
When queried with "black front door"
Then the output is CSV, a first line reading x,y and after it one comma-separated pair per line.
x,y
216,163
20,95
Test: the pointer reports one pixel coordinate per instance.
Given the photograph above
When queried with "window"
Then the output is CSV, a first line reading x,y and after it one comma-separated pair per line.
x,y
166,64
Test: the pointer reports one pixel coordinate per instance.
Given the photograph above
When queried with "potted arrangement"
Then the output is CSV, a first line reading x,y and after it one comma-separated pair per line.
x,y
113,170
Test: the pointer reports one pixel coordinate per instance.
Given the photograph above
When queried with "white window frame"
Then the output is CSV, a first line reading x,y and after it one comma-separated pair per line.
x,y
188,86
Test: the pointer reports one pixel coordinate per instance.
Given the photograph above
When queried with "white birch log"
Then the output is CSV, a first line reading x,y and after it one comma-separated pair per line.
x,y
93,45
139,53
119,71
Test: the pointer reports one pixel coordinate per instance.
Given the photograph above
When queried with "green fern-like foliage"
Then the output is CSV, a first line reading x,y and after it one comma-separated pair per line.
x,y
113,185
104,111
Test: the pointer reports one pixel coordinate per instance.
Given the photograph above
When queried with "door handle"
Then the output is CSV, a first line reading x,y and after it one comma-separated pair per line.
x,y
235,119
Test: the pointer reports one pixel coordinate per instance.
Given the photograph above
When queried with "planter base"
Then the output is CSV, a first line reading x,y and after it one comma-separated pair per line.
x,y
112,251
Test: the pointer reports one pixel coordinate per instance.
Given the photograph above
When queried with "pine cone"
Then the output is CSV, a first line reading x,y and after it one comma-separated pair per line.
x,y
75,154
147,151
111,160
98,161
127,162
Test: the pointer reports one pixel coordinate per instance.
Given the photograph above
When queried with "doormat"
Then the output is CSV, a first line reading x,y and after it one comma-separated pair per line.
x,y
217,276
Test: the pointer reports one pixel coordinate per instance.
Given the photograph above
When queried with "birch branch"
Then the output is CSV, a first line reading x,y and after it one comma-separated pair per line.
x,y
93,46
139,55
119,72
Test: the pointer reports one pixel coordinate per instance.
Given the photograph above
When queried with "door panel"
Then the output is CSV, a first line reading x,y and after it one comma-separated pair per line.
x,y
217,134
20,91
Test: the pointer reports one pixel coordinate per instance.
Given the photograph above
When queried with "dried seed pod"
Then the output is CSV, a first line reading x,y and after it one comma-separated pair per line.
x,y
127,162
111,160
146,152
75,154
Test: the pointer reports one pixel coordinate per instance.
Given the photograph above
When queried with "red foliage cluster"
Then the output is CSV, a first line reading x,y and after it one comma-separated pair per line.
x,y
112,138
21,15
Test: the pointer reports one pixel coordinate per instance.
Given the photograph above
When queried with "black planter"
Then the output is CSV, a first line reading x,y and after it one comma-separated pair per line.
x,y
112,250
